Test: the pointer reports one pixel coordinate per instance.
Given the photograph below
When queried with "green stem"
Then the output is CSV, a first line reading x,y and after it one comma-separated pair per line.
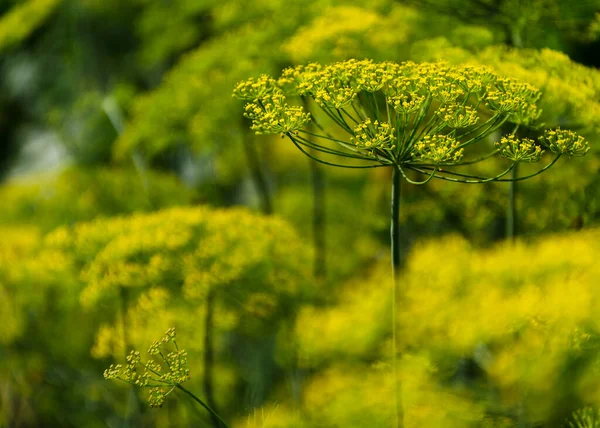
x,y
132,398
379,165
209,354
318,185
203,404
511,217
258,177
318,188
395,253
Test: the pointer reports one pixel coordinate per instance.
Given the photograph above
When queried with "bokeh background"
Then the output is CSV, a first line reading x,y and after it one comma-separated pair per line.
x,y
134,198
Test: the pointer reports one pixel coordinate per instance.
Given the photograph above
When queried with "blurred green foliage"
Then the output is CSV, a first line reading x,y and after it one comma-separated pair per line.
x,y
107,253
490,338
80,194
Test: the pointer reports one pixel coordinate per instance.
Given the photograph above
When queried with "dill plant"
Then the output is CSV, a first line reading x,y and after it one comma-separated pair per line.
x,y
162,377
423,120
215,274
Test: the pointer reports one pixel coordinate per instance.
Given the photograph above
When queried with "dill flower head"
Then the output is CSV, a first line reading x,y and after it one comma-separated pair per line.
x,y
406,103
252,89
564,141
272,115
458,116
164,367
415,115
374,135
437,149
519,149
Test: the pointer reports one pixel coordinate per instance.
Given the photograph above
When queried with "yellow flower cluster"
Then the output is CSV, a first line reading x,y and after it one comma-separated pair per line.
x,y
163,265
334,97
374,135
373,77
153,375
437,149
329,32
253,89
515,318
406,103
519,149
431,101
271,114
565,142
457,115
182,247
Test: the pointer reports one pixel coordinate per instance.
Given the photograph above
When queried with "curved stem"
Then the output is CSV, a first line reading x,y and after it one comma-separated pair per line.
x,y
418,183
477,179
395,255
328,150
334,164
203,404
425,170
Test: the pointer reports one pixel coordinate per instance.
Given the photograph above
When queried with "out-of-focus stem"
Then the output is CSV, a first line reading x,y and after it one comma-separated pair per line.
x,y
209,355
319,226
203,404
395,253
132,398
511,217
258,177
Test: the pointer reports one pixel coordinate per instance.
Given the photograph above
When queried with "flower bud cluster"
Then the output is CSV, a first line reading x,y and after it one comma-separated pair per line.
x,y
564,141
437,149
458,116
516,99
152,374
519,150
272,115
406,103
432,112
374,135
252,89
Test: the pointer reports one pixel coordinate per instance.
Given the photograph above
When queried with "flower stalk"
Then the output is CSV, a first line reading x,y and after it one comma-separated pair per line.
x,y
430,118
165,371
395,252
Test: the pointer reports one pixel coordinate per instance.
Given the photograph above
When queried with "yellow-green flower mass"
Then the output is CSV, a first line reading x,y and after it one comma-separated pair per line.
x,y
271,115
519,150
171,369
375,135
501,336
438,149
427,117
565,142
